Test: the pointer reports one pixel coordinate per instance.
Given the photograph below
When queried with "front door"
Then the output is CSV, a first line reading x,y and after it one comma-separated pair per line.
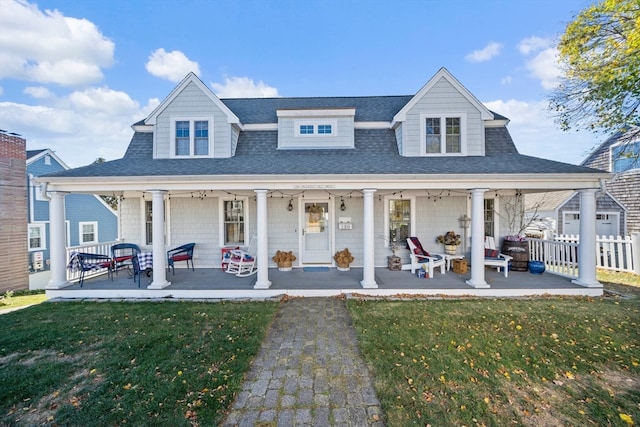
x,y
316,233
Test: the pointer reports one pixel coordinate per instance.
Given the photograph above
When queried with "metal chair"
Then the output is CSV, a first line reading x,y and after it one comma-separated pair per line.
x,y
122,254
242,262
181,253
85,262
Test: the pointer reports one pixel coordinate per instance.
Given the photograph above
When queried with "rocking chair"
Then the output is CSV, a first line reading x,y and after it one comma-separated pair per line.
x,y
242,262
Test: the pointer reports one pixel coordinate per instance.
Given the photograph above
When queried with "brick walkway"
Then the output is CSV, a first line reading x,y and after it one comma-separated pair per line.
x,y
308,372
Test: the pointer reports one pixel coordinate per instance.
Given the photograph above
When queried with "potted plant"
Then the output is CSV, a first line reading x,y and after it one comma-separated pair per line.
x,y
450,240
284,260
343,259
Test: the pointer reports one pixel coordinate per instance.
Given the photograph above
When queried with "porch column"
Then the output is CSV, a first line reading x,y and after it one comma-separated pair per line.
x,y
262,224
477,239
58,252
159,251
368,254
587,245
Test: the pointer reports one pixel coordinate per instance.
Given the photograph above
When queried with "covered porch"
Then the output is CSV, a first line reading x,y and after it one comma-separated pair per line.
x,y
213,283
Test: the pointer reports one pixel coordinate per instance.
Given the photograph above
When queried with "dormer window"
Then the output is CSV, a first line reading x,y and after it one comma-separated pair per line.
x,y
625,156
443,134
315,128
191,137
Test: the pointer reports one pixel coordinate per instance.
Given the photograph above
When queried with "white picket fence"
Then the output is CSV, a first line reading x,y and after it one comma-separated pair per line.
x,y
612,253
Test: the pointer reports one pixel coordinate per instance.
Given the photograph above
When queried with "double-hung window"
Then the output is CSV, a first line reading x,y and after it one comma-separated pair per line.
x,y
234,221
37,237
191,137
399,218
88,232
443,134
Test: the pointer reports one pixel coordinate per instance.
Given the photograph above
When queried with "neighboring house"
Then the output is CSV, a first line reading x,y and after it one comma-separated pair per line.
x,y
13,213
617,208
88,219
315,175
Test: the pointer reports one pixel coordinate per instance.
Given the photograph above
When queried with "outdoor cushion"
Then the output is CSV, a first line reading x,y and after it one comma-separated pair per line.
x,y
491,253
180,257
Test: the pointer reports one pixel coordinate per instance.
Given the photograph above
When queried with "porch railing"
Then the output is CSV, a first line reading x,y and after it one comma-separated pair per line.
x,y
103,248
560,255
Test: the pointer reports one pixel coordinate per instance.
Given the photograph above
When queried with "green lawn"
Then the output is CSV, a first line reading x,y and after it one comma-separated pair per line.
x,y
164,363
548,361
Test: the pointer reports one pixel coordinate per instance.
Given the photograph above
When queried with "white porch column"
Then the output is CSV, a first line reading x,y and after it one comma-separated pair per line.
x,y
477,239
368,262
587,246
58,248
159,251
262,224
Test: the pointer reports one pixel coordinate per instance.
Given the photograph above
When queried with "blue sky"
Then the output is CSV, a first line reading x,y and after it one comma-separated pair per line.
x,y
74,75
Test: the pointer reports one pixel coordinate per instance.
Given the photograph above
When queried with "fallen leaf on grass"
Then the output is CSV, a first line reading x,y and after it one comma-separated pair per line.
x,y
626,418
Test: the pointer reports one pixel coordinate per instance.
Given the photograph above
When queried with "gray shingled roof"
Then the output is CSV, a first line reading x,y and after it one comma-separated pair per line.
x,y
33,153
375,153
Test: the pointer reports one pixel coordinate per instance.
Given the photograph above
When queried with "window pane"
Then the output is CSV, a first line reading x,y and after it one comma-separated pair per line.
x,y
453,144
234,222
35,239
626,157
306,129
433,135
488,218
88,233
324,129
148,218
399,220
201,143
182,138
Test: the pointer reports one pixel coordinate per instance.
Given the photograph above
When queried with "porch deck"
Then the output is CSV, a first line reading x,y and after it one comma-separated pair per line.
x,y
213,283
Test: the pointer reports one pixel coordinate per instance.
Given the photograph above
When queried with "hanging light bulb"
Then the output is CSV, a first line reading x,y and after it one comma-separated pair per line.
x,y
342,205
290,207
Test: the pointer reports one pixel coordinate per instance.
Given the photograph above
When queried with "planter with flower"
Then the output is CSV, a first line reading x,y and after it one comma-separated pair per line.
x,y
450,240
343,259
284,260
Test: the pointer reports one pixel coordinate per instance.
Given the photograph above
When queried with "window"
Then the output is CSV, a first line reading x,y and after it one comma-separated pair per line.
x,y
88,232
443,135
324,129
399,220
489,220
37,237
234,214
625,156
306,129
315,128
191,137
148,222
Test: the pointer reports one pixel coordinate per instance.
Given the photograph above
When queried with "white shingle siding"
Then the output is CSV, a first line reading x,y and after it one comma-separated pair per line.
x,y
443,98
130,217
342,137
192,102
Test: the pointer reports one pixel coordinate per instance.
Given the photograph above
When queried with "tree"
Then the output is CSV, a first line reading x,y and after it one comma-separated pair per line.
x,y
599,52
110,200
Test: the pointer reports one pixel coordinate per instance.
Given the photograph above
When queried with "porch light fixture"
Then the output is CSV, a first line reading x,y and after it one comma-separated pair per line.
x,y
290,207
343,207
465,221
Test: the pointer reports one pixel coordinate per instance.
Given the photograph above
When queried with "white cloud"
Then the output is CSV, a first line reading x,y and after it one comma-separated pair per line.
x,y
535,133
544,64
48,47
38,92
243,87
172,66
506,81
485,54
81,127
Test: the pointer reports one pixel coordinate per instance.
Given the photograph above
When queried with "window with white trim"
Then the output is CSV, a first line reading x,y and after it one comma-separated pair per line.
x,y
443,134
191,137
489,218
37,240
399,213
88,232
315,128
234,224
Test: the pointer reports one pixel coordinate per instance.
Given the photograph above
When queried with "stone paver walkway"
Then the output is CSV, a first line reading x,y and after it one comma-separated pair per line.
x,y
308,372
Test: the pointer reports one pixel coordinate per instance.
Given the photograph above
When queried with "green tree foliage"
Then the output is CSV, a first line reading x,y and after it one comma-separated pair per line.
x,y
110,200
600,58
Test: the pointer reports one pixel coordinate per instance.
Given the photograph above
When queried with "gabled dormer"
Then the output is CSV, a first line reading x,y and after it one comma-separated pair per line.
x,y
442,119
316,128
192,122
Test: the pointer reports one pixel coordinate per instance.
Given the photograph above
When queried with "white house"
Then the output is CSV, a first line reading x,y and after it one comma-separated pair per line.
x,y
378,168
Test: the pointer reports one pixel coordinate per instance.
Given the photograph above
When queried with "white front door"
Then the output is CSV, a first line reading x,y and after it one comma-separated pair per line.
x,y
316,232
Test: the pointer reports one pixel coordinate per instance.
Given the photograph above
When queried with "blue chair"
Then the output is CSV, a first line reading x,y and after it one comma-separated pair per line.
x,y
181,253
122,254
137,272
85,262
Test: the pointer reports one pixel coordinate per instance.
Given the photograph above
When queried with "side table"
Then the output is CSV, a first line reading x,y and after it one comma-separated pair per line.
x,y
448,258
